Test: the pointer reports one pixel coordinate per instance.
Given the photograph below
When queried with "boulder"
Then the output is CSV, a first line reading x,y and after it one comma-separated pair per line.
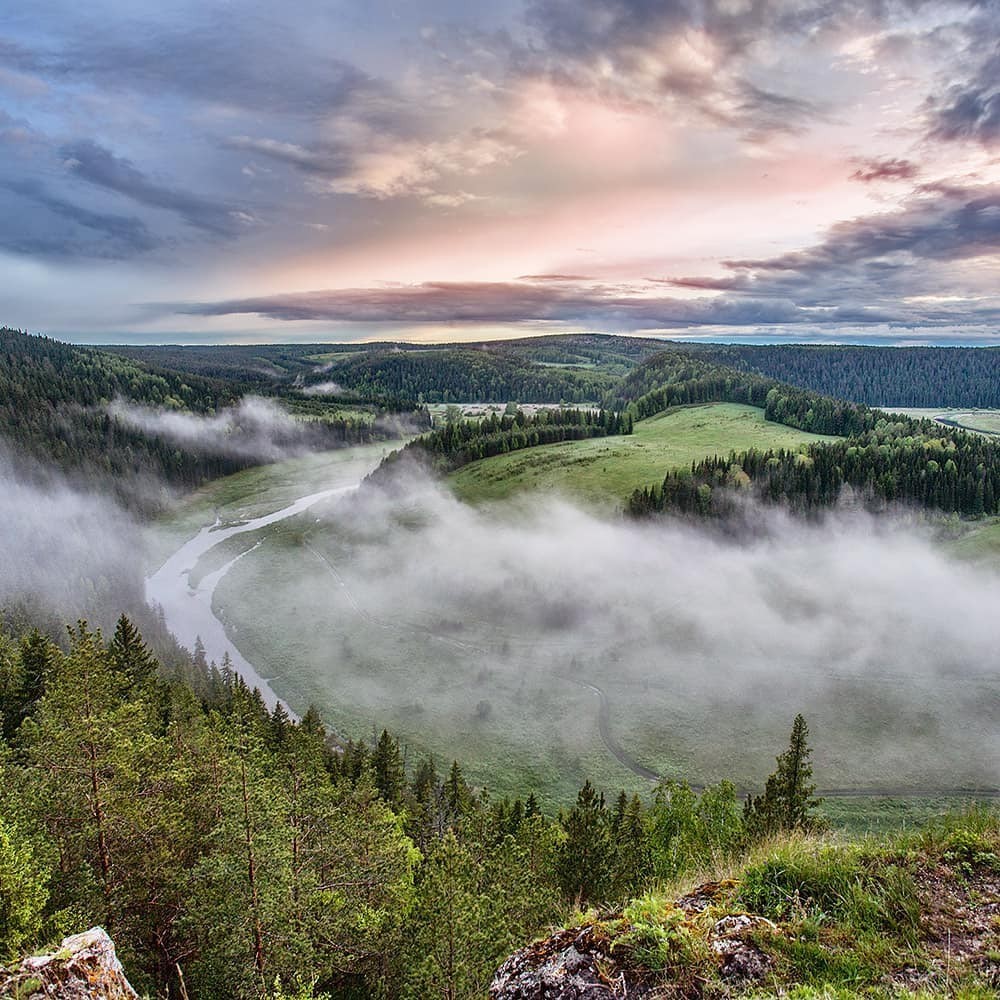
x,y
83,967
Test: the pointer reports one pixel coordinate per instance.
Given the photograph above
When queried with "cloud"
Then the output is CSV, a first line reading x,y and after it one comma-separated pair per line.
x,y
511,302
884,169
254,59
256,429
681,55
370,164
99,166
947,223
118,236
863,272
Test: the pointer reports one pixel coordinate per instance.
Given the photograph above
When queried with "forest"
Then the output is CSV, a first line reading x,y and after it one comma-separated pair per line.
x,y
884,459
878,376
553,368
56,412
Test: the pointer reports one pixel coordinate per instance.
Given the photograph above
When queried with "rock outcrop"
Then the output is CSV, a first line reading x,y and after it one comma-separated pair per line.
x,y
584,963
83,967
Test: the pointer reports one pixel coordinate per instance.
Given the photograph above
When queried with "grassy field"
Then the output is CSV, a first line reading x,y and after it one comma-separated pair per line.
x,y
604,471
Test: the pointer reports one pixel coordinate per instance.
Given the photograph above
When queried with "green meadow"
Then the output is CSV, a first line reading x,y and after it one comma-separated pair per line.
x,y
604,471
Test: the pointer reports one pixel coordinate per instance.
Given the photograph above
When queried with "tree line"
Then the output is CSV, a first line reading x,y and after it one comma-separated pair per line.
x,y
460,442
234,852
895,461
878,376
464,375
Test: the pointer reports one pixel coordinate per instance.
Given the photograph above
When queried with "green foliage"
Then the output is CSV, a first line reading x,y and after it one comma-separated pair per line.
x,y
583,858
688,832
803,879
23,890
663,938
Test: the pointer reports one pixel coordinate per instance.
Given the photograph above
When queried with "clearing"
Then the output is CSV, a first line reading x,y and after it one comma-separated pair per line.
x,y
604,471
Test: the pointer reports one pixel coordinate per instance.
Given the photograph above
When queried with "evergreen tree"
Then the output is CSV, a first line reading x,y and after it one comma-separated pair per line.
x,y
129,654
390,775
788,798
583,862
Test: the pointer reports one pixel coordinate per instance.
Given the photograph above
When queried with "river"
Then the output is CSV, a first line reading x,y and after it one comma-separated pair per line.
x,y
188,610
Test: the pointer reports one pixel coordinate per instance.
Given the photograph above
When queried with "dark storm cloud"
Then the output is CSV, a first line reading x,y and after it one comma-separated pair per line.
x,y
92,162
247,58
108,235
510,302
949,224
970,110
884,169
640,41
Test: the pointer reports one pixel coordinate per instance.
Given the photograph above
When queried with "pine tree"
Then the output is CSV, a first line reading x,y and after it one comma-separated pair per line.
x,y
788,798
129,654
584,857
390,775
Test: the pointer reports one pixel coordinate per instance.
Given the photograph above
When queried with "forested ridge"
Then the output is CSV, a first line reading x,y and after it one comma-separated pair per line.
x,y
232,846
878,376
516,369
55,409
885,458
437,376
474,372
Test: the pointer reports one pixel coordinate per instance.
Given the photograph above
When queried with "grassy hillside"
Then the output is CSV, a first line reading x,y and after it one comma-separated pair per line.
x,y
604,471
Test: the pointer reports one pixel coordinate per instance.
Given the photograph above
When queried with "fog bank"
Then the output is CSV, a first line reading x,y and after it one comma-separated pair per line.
x,y
255,428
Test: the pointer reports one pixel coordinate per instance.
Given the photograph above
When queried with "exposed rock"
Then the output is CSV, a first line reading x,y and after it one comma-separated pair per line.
x,y
571,965
83,967
700,899
582,963
741,958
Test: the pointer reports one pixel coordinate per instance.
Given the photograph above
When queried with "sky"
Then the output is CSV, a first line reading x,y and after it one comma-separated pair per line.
x,y
244,171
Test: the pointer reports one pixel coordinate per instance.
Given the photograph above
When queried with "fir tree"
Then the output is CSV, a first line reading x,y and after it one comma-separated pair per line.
x,y
788,798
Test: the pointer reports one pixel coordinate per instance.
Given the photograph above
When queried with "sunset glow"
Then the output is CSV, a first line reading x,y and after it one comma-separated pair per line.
x,y
778,169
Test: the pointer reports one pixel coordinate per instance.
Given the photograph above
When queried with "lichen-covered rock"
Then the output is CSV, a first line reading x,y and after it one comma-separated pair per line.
x,y
584,963
741,958
574,964
83,967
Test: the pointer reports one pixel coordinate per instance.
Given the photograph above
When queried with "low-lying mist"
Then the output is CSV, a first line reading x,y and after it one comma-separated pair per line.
x,y
64,551
255,428
426,610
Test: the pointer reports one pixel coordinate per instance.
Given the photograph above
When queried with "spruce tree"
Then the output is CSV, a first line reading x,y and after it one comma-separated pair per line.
x,y
788,798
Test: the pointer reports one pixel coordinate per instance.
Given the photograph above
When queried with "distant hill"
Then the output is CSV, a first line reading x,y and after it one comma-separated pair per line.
x,y
582,367
876,376
53,409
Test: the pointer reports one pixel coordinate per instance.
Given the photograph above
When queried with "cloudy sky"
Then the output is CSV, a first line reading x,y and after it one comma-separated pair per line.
x,y
436,169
